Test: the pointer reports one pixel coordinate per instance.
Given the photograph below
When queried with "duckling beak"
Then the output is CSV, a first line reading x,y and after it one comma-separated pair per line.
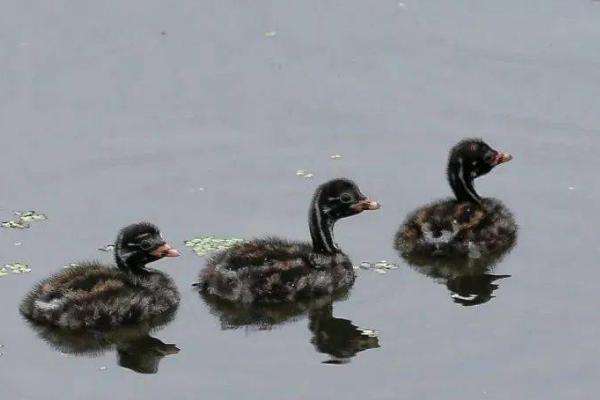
x,y
165,251
502,158
366,204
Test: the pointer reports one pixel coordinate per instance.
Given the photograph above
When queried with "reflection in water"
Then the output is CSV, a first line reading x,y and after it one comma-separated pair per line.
x,y
136,349
469,279
337,337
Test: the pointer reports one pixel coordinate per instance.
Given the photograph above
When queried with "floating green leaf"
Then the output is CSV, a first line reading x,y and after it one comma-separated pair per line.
x,y
381,267
204,245
15,224
15,268
29,216
304,173
23,219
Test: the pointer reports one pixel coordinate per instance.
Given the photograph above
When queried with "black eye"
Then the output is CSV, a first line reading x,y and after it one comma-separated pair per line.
x,y
145,244
489,157
346,198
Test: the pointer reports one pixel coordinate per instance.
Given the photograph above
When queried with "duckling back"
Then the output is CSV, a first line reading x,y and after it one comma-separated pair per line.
x,y
94,296
453,228
273,270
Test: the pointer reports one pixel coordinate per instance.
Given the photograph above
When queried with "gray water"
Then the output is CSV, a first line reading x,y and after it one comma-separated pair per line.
x,y
187,114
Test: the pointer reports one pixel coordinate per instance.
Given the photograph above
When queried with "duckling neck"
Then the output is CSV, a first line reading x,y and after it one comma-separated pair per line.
x,y
462,183
321,229
127,262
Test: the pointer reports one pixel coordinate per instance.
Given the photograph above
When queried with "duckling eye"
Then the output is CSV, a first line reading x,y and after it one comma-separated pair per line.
x,y
145,244
346,198
489,157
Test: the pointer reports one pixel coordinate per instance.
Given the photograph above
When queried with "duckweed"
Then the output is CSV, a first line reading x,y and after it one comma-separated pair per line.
x,y
23,220
381,267
15,224
304,173
29,216
208,244
15,268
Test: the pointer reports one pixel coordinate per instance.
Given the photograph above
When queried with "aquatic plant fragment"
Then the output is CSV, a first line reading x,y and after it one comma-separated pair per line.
x,y
14,268
23,220
208,244
381,267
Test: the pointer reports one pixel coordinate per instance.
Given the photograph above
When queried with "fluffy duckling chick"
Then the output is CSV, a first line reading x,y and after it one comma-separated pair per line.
x,y
274,270
93,295
468,225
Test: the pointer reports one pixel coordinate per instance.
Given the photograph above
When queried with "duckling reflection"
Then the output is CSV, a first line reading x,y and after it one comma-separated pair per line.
x,y
338,337
470,280
136,349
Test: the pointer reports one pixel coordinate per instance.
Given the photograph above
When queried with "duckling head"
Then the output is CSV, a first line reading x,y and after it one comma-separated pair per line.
x,y
470,159
341,198
140,244
338,198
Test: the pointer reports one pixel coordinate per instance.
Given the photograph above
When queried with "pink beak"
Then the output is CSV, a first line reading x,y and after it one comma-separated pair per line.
x,y
366,204
502,158
165,251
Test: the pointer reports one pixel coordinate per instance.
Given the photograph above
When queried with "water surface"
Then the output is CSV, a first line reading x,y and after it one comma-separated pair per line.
x,y
189,116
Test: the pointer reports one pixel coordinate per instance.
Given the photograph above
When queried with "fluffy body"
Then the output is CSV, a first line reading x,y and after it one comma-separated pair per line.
x,y
454,228
96,296
273,270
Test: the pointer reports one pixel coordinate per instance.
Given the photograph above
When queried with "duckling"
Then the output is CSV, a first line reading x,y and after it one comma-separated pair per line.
x,y
93,295
274,270
468,225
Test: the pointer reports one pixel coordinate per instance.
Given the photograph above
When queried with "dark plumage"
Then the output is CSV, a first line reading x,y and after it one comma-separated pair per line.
x,y
273,270
93,295
468,225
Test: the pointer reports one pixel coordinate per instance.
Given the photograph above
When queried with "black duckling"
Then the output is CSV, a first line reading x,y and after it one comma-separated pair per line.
x,y
93,295
468,225
274,270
